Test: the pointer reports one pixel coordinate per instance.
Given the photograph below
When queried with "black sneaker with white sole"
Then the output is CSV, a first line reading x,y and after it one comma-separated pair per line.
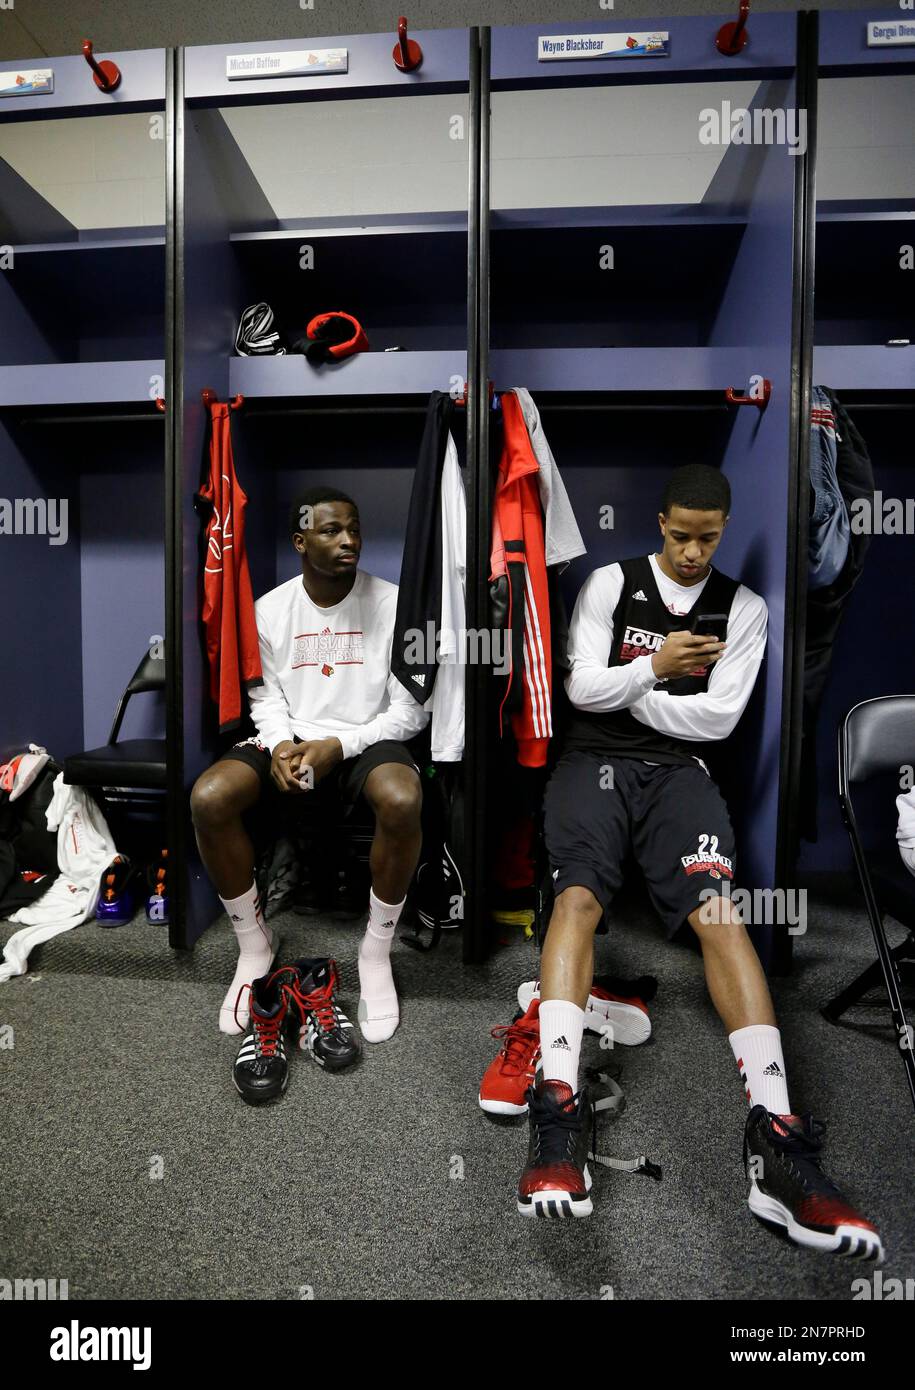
x,y
556,1181
261,1067
324,1029
789,1189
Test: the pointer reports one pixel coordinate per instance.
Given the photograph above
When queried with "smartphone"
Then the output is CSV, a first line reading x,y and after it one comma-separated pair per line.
x,y
711,625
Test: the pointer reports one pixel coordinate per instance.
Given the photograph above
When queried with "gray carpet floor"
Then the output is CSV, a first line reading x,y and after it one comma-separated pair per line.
x,y
131,1167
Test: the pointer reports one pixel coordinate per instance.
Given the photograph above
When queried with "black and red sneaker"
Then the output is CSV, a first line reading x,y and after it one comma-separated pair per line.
x,y
261,1067
324,1029
789,1189
556,1181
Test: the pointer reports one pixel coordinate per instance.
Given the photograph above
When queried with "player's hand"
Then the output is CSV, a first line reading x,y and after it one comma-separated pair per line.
x,y
284,765
318,757
684,652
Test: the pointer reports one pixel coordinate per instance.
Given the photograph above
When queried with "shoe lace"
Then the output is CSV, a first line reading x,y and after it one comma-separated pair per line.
x,y
320,1003
802,1144
554,1125
519,1041
266,1030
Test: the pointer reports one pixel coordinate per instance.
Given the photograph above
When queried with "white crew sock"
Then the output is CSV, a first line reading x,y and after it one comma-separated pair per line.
x,y
379,1011
255,952
758,1050
561,1027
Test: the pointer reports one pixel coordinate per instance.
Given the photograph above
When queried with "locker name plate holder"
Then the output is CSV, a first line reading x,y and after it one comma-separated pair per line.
x,y
561,48
305,62
28,82
890,33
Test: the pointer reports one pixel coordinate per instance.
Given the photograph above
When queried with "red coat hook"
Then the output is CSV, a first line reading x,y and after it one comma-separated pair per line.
x,y
760,401
407,53
209,397
733,38
106,75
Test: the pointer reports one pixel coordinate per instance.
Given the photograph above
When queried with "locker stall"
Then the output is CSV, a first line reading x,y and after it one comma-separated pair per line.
x,y
82,443
864,349
342,189
636,274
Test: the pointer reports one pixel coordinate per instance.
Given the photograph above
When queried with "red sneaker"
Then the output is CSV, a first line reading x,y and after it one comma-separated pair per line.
x,y
503,1090
624,1018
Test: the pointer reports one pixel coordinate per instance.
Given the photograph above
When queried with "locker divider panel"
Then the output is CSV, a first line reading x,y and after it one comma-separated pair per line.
x,y
216,188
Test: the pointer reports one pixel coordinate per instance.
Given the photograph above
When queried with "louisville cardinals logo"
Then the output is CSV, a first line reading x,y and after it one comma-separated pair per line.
x,y
327,670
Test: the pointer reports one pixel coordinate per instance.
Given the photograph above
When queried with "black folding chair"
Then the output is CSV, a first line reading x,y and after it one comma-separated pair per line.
x,y
136,763
127,777
876,741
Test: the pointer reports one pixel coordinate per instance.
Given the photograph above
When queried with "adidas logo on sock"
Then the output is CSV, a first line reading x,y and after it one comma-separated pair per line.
x,y
561,1042
773,1069
388,924
640,596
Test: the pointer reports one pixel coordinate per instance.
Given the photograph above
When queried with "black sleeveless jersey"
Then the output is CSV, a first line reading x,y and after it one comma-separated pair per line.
x,y
640,627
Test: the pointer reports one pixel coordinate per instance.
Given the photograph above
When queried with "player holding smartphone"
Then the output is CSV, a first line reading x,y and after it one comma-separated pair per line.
x,y
664,653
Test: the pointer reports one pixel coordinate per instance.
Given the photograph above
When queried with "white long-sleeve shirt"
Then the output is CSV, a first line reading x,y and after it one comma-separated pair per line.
x,y
327,671
709,715
561,536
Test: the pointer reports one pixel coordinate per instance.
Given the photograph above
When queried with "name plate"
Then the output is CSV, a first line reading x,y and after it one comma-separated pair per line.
x,y
304,62
561,48
882,34
29,82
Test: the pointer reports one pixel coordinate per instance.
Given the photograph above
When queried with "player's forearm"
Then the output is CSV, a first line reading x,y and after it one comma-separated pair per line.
x,y
600,690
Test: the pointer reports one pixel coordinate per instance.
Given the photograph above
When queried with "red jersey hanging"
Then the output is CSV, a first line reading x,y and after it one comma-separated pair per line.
x,y
228,603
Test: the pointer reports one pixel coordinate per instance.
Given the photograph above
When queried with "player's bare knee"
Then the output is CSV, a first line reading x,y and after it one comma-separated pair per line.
x,y
213,800
397,802
718,921
579,906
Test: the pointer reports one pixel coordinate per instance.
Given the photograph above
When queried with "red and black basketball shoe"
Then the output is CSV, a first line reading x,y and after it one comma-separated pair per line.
x,y
510,1075
261,1067
556,1181
324,1029
789,1189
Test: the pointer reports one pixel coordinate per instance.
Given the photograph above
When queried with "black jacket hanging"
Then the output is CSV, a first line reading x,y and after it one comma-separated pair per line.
x,y
825,607
419,600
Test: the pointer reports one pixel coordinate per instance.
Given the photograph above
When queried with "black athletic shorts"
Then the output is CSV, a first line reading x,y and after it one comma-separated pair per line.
x,y
672,818
343,783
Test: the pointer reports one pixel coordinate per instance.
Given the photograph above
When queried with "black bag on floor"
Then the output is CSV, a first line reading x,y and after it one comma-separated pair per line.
x,y
437,894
